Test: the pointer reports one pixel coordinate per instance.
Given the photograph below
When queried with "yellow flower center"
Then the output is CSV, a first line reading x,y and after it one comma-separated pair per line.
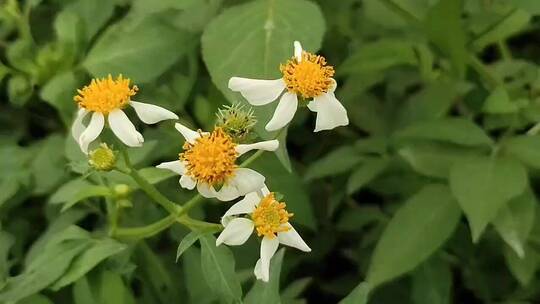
x,y
212,158
269,217
310,77
106,94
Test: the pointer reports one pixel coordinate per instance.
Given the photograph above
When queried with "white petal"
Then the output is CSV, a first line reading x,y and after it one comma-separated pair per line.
x,y
124,129
284,112
92,131
268,249
258,270
293,239
175,166
236,233
151,114
257,92
330,112
268,145
227,193
245,206
78,128
298,51
206,190
187,182
188,134
264,191
247,180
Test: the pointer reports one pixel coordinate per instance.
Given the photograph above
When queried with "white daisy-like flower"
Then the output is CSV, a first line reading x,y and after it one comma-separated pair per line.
x,y
105,98
305,76
260,211
209,162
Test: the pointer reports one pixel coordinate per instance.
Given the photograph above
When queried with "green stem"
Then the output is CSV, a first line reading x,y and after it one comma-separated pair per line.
x,y
483,71
396,8
146,231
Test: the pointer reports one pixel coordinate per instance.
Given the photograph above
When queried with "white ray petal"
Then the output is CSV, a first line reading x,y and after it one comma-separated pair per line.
x,y
244,206
258,270
175,166
268,145
188,134
206,190
284,112
330,112
227,193
236,233
151,114
187,182
247,180
124,129
293,239
268,249
78,127
257,92
298,51
92,131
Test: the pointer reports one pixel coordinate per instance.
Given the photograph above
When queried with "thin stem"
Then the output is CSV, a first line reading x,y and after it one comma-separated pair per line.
x,y
146,231
504,49
483,71
396,8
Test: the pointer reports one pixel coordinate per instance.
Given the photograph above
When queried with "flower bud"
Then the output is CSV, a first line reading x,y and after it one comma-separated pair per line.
x,y
236,120
102,158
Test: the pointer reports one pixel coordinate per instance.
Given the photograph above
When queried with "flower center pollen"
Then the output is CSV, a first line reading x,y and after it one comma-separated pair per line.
x,y
211,159
270,216
310,77
106,94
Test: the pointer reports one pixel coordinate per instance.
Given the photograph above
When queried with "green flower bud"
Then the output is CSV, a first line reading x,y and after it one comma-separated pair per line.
x,y
236,120
121,191
102,158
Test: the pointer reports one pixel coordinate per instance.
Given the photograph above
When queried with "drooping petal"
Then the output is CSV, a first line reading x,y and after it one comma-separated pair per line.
x,y
78,128
298,51
284,112
124,129
206,190
330,112
187,182
268,249
268,145
92,131
257,92
293,239
236,233
247,180
175,166
264,191
245,206
258,270
188,134
151,114
227,193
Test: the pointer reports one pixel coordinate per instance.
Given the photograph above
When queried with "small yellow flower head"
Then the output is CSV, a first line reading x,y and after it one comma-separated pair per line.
x,y
270,216
309,77
102,158
236,120
106,94
212,158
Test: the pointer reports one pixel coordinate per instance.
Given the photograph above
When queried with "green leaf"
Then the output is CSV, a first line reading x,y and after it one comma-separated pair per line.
x,y
531,6
367,171
267,292
515,221
498,102
82,194
218,269
359,295
113,290
94,14
443,26
357,218
195,283
484,185
187,242
510,24
48,166
336,162
36,299
99,250
19,90
124,49
417,230
432,283
294,290
459,131
6,242
524,148
59,91
252,40
523,268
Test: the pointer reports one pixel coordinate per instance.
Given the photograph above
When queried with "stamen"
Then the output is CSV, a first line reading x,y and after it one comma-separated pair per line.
x,y
106,94
270,216
310,77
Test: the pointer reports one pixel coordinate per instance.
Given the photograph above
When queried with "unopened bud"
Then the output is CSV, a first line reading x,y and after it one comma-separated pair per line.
x,y
102,158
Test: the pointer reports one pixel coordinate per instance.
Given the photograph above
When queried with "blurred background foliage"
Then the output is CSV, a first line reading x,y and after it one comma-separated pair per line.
x,y
428,196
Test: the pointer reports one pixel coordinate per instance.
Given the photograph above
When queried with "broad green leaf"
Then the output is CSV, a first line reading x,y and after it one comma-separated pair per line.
x,y
355,219
59,91
36,299
294,290
432,283
483,186
69,191
531,6
515,221
124,49
218,269
82,292
98,251
6,242
510,24
48,166
525,148
112,290
523,268
498,102
94,14
366,172
459,131
359,295
186,242
267,292
195,283
19,90
417,230
252,40
336,162
92,191
8,188
443,26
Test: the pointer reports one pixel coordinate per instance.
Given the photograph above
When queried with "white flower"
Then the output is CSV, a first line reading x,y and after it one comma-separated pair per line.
x,y
307,76
269,219
105,98
209,161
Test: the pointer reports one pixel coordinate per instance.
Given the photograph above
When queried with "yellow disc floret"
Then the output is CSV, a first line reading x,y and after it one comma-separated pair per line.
x,y
212,158
309,77
106,94
270,216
